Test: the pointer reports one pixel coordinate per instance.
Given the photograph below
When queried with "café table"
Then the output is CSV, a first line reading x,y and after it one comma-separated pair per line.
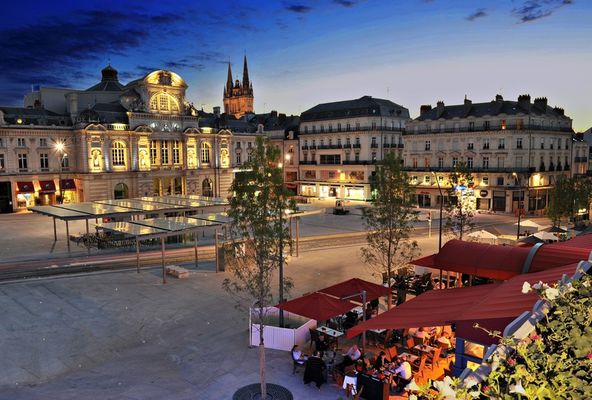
x,y
331,333
410,357
350,380
424,348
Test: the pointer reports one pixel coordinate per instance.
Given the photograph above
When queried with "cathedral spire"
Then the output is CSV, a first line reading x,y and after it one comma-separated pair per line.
x,y
246,83
229,80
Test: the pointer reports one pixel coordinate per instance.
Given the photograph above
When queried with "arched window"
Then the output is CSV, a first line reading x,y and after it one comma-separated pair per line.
x,y
118,154
207,188
121,191
206,151
164,102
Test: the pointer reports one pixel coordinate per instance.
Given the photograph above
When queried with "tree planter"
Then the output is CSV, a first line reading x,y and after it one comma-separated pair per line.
x,y
253,392
296,332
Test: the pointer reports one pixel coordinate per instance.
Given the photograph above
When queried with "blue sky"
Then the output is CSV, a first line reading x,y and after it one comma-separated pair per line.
x,y
302,53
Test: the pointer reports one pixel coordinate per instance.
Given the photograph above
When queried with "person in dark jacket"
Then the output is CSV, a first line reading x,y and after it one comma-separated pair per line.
x,y
380,360
315,370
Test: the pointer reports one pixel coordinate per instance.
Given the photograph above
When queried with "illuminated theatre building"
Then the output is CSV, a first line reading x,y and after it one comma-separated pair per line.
x,y
112,141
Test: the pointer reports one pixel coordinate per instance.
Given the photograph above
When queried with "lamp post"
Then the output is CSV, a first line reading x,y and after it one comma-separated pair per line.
x,y
441,205
363,295
60,147
515,175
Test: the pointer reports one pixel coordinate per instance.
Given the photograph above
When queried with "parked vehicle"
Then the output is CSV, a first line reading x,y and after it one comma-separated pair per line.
x,y
340,208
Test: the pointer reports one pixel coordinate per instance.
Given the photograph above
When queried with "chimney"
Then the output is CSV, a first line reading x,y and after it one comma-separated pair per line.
x,y
217,111
282,118
559,110
424,109
468,102
524,101
291,135
439,108
499,98
541,103
274,114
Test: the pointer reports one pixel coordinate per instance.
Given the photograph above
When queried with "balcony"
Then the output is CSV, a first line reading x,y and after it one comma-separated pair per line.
x,y
400,145
355,129
309,162
304,147
480,170
485,147
542,168
357,146
498,128
501,147
581,159
374,146
359,162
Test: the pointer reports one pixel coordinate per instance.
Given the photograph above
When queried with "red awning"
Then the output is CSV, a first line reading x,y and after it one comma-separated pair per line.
x,y
553,255
68,184
355,286
25,187
486,260
318,306
47,187
485,304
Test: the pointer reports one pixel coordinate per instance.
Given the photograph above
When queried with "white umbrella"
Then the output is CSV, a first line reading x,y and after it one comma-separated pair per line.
x,y
482,234
546,236
528,223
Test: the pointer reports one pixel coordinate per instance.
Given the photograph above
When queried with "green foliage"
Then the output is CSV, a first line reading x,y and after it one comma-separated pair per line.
x,y
461,205
567,196
554,362
390,220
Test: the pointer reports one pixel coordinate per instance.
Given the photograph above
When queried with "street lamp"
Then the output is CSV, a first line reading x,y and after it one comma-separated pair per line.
x,y
60,148
441,205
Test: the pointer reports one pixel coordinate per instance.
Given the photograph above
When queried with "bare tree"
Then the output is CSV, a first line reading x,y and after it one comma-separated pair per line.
x,y
390,220
257,233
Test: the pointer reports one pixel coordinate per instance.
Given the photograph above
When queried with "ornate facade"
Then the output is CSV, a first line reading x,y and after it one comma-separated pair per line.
x,y
111,141
238,96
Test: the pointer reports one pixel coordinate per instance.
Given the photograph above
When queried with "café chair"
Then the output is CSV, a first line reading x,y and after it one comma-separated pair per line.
x,y
410,345
357,395
420,363
295,365
432,360
418,340
392,353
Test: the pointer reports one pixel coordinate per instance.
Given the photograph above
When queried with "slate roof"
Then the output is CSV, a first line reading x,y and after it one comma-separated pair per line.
x,y
36,116
106,86
491,108
364,106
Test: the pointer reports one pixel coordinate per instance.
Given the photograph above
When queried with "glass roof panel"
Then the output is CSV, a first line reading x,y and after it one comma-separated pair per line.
x,y
222,218
129,228
95,209
58,212
175,224
139,204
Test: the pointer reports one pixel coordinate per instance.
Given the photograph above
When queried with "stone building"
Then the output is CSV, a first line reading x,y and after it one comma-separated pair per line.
x,y
111,141
515,151
238,96
341,142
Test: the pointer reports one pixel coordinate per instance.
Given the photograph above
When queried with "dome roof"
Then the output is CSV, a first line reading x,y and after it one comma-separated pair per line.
x,y
109,74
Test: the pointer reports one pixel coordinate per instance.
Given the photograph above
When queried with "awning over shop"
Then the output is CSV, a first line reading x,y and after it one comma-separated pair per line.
x,y
318,306
25,187
68,184
355,286
493,306
47,187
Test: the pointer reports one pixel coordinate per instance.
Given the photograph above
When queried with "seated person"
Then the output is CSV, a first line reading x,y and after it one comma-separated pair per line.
x,y
349,358
402,374
315,370
321,345
375,303
420,336
297,355
444,342
381,360
369,312
351,319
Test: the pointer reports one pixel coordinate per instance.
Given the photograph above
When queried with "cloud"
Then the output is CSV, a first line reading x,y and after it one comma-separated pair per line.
x,y
532,10
480,13
345,3
298,8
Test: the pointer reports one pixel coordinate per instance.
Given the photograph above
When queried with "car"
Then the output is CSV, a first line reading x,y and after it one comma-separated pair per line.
x,y
340,208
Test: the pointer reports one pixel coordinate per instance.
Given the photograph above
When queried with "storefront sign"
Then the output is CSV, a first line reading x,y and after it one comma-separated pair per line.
x,y
483,193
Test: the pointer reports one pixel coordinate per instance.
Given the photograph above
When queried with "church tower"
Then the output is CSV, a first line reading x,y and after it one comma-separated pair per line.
x,y
238,96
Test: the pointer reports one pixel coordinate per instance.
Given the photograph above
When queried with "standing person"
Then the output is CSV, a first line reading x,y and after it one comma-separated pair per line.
x,y
315,370
321,345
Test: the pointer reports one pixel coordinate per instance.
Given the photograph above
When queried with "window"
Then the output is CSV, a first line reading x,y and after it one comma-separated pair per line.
x,y
314,128
414,160
485,162
485,180
373,156
347,156
486,125
566,144
330,159
454,162
42,142
164,102
503,124
20,142
357,157
519,123
206,188
322,142
414,179
428,145
552,143
205,153
117,154
440,162
374,145
347,127
164,152
1,142
373,125
347,142
502,144
153,151
238,158
500,181
470,162
238,144
176,152
2,162
357,126
65,162
339,142
519,162
338,127
330,142
470,146
120,191
22,162
427,180
471,126
519,143
44,161
306,129
558,144
314,143
542,143
322,128
358,141
426,162
330,128
486,144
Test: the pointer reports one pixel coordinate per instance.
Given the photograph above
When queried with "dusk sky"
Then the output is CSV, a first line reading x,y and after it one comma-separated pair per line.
x,y
302,53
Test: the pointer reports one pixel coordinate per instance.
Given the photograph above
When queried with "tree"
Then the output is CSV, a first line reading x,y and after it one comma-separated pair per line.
x,y
567,196
461,202
390,220
257,233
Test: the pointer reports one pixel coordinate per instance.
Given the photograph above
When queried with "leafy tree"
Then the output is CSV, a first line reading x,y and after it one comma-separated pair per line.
x,y
390,220
567,196
257,233
461,202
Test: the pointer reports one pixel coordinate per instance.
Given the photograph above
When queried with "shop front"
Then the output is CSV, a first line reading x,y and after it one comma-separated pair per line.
x,y
308,190
329,191
68,189
499,200
25,195
355,193
47,193
484,200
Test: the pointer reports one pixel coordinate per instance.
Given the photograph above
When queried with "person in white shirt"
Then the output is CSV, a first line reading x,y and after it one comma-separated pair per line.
x,y
402,374
297,355
354,353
